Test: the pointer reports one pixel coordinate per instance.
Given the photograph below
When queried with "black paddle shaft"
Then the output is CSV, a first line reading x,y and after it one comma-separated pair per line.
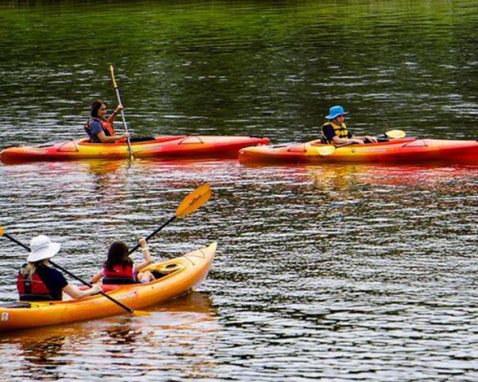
x,y
153,233
88,284
16,241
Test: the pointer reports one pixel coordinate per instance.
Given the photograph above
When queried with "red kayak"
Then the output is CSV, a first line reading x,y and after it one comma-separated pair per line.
x,y
406,150
179,146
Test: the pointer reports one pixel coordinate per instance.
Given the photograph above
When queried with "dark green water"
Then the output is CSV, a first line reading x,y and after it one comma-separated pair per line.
x,y
333,272
264,68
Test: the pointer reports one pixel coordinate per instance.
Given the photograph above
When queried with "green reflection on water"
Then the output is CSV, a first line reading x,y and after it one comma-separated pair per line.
x,y
264,68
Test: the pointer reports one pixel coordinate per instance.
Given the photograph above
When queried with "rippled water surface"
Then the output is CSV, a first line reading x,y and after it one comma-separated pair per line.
x,y
343,272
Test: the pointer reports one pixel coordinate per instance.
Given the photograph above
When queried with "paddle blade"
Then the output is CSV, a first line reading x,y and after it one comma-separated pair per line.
x,y
395,134
112,71
325,150
194,200
322,151
1,231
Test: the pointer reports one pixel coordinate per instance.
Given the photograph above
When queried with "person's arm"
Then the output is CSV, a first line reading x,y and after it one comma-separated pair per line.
x,y
146,254
96,277
77,293
367,138
115,113
105,139
346,141
341,141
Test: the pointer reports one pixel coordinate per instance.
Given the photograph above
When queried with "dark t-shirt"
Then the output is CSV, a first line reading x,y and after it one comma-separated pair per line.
x,y
94,129
54,281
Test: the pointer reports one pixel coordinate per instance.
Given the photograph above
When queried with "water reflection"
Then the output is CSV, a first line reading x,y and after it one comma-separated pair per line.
x,y
344,177
186,327
363,273
42,357
235,68
105,176
103,167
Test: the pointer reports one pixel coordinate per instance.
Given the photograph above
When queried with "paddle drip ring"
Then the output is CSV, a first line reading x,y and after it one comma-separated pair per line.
x,y
170,268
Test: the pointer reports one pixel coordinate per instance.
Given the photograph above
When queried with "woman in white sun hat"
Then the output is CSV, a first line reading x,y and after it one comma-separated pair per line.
x,y
37,281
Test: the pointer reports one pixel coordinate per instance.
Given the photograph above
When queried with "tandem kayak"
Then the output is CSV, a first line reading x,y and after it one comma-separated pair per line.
x,y
406,150
176,277
181,146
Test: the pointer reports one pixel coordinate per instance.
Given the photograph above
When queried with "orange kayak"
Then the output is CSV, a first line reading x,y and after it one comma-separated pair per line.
x,y
179,146
406,150
176,277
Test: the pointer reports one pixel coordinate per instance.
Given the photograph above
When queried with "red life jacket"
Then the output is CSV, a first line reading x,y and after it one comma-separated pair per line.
x,y
32,290
107,127
119,275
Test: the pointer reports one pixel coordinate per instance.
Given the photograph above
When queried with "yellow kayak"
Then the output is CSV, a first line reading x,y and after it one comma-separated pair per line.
x,y
174,278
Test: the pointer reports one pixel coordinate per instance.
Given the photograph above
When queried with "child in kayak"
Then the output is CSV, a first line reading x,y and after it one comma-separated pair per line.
x,y
100,128
334,131
37,281
119,268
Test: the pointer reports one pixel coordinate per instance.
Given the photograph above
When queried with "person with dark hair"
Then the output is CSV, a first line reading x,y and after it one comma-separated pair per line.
x,y
99,127
119,268
36,281
334,131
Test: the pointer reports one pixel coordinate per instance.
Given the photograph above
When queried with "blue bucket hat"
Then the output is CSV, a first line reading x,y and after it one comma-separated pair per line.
x,y
335,111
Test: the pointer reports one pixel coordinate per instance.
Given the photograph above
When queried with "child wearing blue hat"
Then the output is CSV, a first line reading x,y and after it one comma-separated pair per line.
x,y
334,131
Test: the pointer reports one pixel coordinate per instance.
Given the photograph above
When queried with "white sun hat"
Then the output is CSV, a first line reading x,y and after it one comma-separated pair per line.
x,y
42,248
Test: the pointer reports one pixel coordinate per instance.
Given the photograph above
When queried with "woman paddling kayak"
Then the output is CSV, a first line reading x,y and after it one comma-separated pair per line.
x,y
334,131
100,128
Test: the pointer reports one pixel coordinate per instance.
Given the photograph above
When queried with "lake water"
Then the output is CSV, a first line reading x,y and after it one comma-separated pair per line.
x,y
338,272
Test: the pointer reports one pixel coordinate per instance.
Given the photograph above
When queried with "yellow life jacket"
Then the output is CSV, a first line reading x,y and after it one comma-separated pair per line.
x,y
339,130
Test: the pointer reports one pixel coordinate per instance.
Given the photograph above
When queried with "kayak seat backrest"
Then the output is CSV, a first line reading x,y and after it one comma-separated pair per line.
x,y
34,297
118,280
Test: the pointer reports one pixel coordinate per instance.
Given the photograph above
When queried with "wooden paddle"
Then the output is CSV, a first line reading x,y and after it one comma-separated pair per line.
x,y
115,85
189,204
326,150
128,309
